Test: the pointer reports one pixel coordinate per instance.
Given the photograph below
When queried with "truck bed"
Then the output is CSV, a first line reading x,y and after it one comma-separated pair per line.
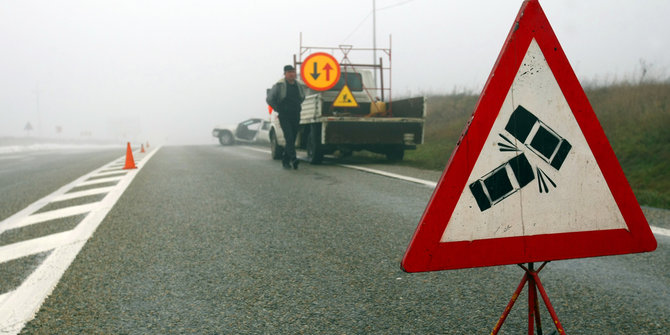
x,y
316,106
373,130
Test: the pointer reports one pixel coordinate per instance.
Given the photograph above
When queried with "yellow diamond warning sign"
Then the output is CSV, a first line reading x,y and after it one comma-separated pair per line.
x,y
345,98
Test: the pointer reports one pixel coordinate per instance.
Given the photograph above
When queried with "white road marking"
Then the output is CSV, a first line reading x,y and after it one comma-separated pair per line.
x,y
660,231
373,171
50,215
9,222
100,181
656,230
392,175
19,306
73,195
106,173
258,149
34,246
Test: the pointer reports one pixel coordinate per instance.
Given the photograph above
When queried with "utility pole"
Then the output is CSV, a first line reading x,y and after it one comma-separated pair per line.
x,y
374,39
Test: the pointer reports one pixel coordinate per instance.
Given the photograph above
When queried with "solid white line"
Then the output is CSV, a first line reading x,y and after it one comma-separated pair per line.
x,y
392,175
19,306
258,149
68,196
660,231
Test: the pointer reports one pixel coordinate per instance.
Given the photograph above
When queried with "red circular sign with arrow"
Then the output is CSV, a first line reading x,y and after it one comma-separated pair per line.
x,y
320,71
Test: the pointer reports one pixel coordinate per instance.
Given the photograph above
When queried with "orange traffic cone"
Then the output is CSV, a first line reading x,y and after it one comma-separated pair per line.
x,y
130,162
142,151
147,144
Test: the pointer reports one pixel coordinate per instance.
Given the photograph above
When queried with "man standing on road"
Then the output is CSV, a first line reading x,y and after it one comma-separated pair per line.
x,y
285,98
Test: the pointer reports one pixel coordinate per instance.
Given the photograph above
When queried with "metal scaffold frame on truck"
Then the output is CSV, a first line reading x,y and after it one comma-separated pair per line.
x,y
345,63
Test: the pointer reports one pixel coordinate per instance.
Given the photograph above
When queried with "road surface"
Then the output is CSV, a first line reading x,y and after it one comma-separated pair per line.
x,y
211,239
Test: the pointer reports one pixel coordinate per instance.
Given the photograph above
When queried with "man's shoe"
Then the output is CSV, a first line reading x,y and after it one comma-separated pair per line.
x,y
295,164
286,165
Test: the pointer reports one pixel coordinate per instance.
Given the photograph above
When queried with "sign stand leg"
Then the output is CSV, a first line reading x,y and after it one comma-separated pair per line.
x,y
532,305
534,285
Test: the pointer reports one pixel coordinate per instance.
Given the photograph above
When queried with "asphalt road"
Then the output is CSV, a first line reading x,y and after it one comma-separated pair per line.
x,y
211,239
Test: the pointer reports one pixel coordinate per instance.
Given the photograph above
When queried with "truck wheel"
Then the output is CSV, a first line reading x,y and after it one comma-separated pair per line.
x,y
314,150
277,151
395,154
226,138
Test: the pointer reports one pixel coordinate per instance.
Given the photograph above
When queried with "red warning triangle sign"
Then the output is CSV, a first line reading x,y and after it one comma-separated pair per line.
x,y
533,177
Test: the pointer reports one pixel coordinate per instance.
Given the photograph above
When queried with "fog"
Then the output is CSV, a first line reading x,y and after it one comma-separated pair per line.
x,y
168,71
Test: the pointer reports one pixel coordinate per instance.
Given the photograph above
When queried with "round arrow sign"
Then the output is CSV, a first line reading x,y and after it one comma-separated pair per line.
x,y
320,71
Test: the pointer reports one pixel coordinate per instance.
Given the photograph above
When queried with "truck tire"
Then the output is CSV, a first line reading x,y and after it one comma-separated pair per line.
x,y
314,149
395,154
277,151
226,138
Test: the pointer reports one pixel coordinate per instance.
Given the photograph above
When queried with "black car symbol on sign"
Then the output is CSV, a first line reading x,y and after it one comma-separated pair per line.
x,y
502,182
537,136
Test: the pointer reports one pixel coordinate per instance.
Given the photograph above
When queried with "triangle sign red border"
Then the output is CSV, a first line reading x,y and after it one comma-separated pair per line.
x,y
426,252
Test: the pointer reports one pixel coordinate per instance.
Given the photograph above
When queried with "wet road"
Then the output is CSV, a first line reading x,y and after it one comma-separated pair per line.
x,y
211,239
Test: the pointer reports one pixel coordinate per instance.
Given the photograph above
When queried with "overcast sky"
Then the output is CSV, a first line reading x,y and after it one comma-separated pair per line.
x,y
167,71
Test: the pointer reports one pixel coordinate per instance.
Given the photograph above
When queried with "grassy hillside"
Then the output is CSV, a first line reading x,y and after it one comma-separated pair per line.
x,y
635,117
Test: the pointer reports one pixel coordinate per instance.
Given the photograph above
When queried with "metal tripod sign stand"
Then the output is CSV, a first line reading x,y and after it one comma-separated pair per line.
x,y
534,286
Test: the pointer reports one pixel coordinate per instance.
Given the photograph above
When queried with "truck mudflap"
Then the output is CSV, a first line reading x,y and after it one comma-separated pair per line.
x,y
401,131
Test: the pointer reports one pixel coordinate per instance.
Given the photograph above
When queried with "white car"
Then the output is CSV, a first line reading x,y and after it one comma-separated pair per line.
x,y
276,136
253,130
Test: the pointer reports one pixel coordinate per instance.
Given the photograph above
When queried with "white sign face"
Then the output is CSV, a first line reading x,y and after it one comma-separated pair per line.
x,y
536,173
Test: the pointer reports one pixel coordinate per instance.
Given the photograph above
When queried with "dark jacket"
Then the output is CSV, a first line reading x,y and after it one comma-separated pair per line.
x,y
277,94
